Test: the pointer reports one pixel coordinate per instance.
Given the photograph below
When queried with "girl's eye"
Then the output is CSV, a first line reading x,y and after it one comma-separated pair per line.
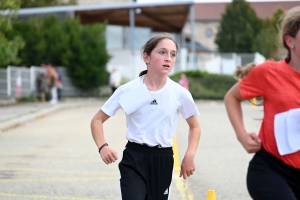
x,y
173,55
161,52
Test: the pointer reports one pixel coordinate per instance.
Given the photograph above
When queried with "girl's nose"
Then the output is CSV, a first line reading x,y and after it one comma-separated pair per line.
x,y
167,58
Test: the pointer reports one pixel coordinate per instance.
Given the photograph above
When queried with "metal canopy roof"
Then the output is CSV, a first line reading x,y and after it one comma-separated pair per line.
x,y
161,17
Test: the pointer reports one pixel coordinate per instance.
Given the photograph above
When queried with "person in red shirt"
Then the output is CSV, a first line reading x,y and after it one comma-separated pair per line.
x,y
274,171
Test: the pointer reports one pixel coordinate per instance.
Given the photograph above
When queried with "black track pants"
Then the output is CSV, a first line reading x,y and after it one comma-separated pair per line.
x,y
146,172
269,178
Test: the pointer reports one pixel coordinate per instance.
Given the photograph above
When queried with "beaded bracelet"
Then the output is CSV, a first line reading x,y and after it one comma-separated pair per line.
x,y
103,145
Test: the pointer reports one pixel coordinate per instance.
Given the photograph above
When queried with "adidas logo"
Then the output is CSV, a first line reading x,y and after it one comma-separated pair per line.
x,y
154,102
167,191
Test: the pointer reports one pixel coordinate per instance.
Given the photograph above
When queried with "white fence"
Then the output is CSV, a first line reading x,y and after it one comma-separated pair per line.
x,y
16,82
127,66
224,63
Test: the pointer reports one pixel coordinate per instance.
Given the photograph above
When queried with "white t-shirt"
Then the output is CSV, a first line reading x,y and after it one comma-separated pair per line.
x,y
155,122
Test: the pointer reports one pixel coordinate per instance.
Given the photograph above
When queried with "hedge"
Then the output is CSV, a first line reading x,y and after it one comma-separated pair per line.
x,y
203,85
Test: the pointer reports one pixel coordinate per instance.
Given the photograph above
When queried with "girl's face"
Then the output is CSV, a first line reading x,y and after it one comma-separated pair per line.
x,y
162,58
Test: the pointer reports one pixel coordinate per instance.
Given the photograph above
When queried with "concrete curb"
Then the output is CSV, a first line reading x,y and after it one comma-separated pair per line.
x,y
31,116
40,112
16,121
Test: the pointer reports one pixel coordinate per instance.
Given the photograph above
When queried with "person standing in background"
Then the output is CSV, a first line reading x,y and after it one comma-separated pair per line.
x,y
41,82
184,82
52,84
274,171
52,80
18,90
114,80
59,84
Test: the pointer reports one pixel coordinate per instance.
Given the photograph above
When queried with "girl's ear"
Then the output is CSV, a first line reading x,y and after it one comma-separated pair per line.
x,y
146,58
289,40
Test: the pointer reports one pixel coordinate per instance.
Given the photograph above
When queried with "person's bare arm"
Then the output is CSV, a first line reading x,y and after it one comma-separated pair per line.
x,y
108,155
188,162
233,99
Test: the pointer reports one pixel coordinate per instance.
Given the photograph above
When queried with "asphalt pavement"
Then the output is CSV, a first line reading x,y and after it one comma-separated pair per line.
x,y
47,152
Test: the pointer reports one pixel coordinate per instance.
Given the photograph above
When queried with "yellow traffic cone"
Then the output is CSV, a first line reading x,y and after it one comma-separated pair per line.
x,y
211,195
253,102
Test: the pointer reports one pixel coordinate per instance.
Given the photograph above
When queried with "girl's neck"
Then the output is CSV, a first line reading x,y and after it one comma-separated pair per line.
x,y
295,64
154,83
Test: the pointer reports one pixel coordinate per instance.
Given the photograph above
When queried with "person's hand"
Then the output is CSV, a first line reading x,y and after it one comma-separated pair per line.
x,y
108,155
187,166
251,142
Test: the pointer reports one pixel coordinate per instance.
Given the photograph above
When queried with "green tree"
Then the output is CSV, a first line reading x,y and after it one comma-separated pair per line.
x,y
80,48
238,28
265,41
43,3
9,47
46,40
87,56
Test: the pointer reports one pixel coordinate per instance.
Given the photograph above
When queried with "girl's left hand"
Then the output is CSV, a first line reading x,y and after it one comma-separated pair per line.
x,y
187,166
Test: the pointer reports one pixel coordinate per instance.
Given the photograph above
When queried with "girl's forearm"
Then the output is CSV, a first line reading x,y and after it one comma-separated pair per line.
x,y
234,111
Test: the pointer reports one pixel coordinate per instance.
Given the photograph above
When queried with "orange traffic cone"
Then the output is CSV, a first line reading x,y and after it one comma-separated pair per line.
x,y
211,195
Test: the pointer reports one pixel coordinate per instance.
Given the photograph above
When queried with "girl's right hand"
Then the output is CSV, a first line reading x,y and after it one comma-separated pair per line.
x,y
108,155
251,142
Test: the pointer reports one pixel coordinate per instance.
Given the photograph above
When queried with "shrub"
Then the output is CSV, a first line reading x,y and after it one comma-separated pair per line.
x,y
79,48
203,85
